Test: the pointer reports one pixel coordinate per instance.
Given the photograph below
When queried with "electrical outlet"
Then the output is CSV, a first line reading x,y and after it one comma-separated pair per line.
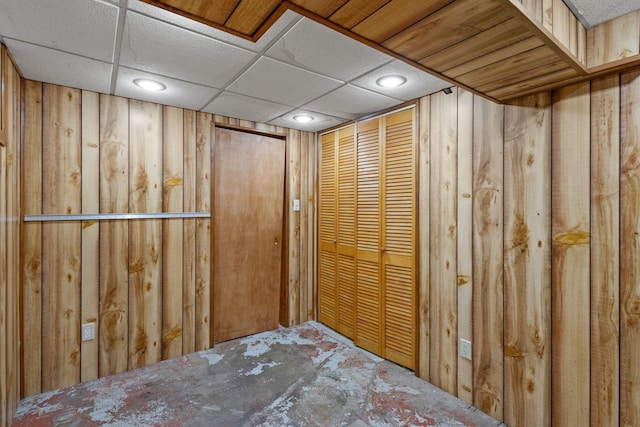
x,y
296,204
465,349
87,332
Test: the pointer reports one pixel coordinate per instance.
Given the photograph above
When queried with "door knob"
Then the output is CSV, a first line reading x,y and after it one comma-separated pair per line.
x,y
275,241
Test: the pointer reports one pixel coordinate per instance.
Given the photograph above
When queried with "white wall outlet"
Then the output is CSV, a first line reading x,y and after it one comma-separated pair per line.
x,y
465,349
296,204
87,332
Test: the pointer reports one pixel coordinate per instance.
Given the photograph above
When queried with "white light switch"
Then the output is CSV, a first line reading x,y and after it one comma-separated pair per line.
x,y
296,204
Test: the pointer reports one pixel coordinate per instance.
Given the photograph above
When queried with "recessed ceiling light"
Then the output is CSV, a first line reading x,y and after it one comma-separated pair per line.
x,y
391,81
149,84
303,118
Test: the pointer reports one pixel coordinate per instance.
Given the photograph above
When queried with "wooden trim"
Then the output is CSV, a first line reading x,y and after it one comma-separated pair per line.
x,y
278,135
525,17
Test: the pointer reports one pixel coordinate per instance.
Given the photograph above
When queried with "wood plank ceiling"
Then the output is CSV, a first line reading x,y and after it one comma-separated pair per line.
x,y
500,49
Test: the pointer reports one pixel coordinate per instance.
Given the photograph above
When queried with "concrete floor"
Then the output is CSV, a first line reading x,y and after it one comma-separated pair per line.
x,y
306,375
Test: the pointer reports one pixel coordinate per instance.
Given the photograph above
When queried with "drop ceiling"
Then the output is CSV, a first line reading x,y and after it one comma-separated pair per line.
x,y
298,66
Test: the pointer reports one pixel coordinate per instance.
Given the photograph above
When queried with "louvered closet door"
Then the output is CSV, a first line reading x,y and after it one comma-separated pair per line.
x,y
398,238
346,232
327,262
369,314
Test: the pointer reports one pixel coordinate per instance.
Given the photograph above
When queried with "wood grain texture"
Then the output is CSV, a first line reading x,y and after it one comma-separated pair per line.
x,y
189,243
398,237
114,236
327,231
145,236
293,143
488,257
4,291
346,236
443,248
527,268
61,264
614,40
605,251
369,333
246,299
465,240
90,262
395,16
172,231
630,250
570,230
12,131
204,338
302,307
32,248
424,166
470,19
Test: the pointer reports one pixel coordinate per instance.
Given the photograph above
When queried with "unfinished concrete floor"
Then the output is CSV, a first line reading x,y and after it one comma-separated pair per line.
x,y
306,375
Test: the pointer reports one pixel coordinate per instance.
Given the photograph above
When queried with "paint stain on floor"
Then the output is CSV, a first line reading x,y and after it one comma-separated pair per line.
x,y
305,375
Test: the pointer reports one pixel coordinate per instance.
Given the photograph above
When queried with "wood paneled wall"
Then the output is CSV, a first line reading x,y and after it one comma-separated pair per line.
x,y
529,225
10,238
557,18
145,283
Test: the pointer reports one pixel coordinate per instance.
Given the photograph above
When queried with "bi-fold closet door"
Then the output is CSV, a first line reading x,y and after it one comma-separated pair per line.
x,y
367,238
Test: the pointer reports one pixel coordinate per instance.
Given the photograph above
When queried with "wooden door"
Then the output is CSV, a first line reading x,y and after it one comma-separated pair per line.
x,y
346,233
247,218
327,280
398,238
369,316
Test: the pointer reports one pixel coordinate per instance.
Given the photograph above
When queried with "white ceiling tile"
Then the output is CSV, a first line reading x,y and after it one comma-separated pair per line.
x,y
282,83
161,48
594,12
245,107
320,122
419,83
82,27
351,102
171,18
320,49
178,93
52,66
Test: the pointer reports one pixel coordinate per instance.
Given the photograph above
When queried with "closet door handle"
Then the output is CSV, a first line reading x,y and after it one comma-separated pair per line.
x,y
275,241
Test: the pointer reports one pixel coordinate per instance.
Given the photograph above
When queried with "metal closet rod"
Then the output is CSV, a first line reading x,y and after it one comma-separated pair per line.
x,y
115,216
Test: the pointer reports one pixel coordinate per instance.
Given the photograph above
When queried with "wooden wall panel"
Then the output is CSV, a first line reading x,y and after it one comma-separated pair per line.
x,y
423,119
527,268
630,250
570,230
172,231
4,289
61,261
32,249
113,335
189,230
488,298
443,235
605,251
203,333
465,240
614,41
90,262
145,283
10,171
